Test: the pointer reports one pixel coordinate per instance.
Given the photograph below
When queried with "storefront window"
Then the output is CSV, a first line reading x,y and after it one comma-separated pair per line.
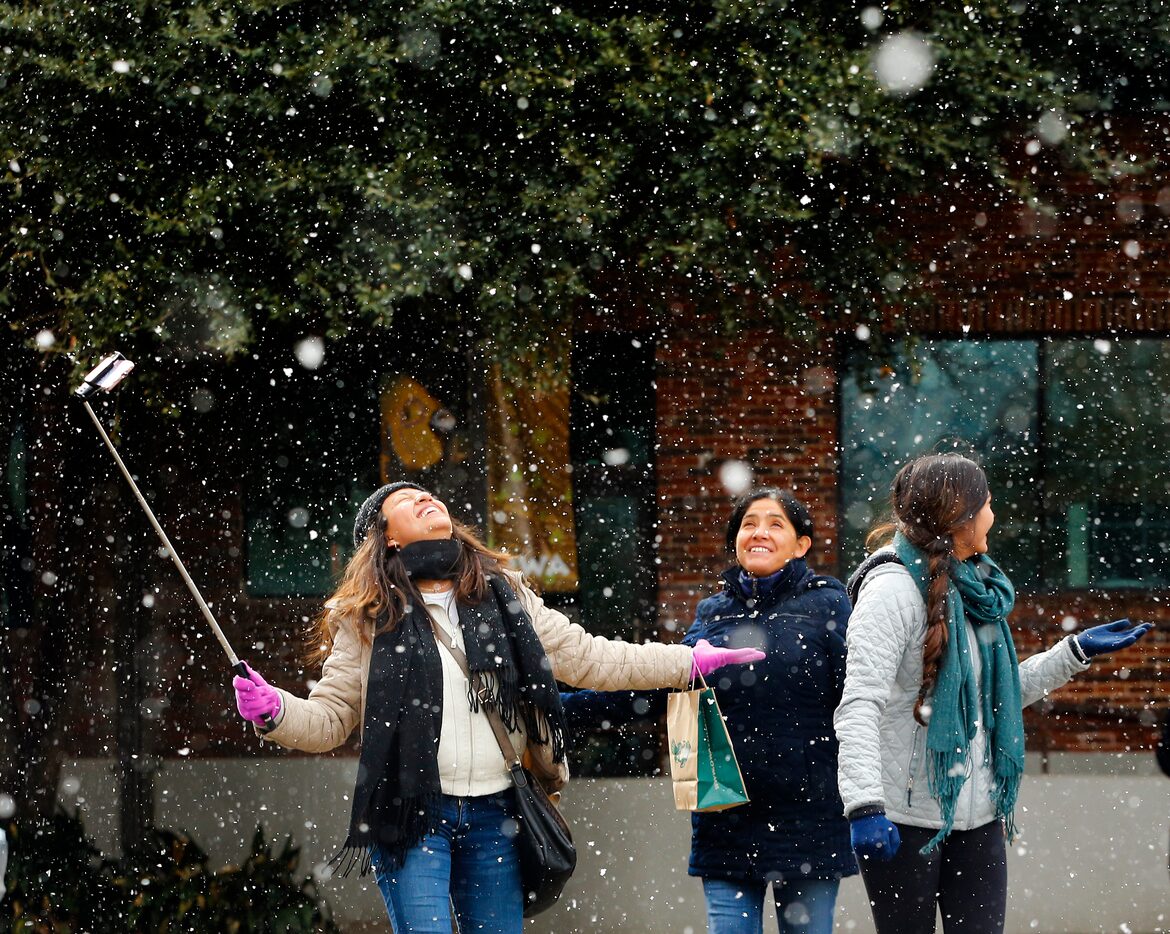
x,y
302,493
613,482
1072,434
1107,442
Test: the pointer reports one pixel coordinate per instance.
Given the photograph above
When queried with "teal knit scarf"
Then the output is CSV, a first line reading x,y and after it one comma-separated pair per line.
x,y
980,591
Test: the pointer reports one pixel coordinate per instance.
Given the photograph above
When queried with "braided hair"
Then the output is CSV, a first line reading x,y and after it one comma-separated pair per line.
x,y
933,497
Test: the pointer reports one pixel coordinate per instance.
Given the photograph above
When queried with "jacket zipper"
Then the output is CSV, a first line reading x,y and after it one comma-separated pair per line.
x,y
910,772
754,601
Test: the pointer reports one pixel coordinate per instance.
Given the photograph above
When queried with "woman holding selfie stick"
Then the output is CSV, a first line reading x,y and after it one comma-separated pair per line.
x,y
431,813
931,719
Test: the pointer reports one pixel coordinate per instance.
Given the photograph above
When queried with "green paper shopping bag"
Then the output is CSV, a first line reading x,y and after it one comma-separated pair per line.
x,y
703,768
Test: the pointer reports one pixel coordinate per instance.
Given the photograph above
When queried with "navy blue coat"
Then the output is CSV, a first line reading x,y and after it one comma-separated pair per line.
x,y
779,714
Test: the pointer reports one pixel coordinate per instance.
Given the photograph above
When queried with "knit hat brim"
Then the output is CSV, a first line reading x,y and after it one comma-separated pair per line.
x,y
369,511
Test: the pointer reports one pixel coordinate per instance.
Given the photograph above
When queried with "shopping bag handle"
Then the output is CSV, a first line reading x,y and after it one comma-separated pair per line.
x,y
695,673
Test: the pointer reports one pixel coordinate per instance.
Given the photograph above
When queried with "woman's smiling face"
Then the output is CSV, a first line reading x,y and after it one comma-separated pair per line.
x,y
414,516
767,540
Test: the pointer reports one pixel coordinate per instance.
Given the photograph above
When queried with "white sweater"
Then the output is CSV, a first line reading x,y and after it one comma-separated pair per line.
x,y
470,761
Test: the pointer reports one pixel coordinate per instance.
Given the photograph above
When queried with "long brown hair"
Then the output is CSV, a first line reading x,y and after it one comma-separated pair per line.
x,y
933,497
375,582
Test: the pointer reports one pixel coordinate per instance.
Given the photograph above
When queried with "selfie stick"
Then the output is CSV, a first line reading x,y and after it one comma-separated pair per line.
x,y
103,378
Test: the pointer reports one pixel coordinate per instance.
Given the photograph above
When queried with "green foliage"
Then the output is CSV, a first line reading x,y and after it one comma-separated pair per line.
x,y
182,173
174,890
1115,53
60,883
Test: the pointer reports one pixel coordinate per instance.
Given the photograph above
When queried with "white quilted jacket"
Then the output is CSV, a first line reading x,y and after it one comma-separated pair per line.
x,y
882,758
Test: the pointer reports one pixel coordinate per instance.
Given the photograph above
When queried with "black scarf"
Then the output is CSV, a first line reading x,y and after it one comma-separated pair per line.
x,y
396,798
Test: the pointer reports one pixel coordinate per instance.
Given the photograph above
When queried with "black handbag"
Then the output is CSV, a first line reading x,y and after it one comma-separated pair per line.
x,y
547,854
543,840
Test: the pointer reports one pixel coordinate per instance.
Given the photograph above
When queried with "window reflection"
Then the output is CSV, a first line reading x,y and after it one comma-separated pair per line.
x,y
612,432
1074,436
1106,429
981,393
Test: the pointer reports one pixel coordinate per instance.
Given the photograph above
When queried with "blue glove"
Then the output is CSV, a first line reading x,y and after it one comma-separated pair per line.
x,y
874,837
1110,637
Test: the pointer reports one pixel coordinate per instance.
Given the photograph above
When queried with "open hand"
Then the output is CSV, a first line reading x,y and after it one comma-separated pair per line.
x,y
1111,637
708,657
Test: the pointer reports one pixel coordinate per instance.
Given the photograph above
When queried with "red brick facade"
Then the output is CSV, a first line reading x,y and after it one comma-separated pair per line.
x,y
757,398
1098,267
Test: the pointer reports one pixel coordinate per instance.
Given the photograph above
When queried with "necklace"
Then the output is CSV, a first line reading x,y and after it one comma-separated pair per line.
x,y
436,587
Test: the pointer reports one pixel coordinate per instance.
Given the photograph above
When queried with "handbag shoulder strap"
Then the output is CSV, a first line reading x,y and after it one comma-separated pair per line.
x,y
498,730
857,578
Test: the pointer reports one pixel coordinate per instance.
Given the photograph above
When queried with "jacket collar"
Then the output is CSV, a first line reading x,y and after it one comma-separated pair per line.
x,y
766,590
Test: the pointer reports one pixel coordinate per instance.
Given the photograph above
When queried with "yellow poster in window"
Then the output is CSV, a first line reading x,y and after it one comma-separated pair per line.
x,y
422,439
530,483
409,442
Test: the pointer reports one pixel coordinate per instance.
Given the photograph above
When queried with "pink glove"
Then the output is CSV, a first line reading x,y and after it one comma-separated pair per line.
x,y
708,658
255,697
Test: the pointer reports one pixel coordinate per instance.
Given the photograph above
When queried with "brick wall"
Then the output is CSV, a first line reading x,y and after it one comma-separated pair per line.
x,y
755,397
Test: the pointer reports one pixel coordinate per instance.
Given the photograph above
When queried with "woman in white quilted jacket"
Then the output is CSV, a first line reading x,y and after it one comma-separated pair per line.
x,y
930,722
431,812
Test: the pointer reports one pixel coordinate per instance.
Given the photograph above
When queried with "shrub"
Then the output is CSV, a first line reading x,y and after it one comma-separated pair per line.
x,y
60,883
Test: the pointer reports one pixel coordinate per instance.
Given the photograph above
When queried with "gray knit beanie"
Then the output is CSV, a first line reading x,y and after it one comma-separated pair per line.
x,y
368,512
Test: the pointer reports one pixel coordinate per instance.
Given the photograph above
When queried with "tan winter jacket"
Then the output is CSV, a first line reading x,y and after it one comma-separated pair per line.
x,y
337,703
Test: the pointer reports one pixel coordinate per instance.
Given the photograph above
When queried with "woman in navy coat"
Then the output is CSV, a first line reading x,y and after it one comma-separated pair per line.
x,y
793,834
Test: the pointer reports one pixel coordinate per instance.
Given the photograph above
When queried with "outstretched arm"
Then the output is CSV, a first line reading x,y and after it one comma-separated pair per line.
x,y
324,719
591,710
1046,671
588,661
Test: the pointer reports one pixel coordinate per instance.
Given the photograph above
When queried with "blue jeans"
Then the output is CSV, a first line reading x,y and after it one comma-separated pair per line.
x,y
470,861
803,906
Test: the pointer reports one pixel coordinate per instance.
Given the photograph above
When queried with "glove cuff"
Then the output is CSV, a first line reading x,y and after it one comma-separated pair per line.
x,y
1078,653
868,810
277,715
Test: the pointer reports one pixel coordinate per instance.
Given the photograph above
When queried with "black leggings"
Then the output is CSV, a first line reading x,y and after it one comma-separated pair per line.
x,y
965,876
